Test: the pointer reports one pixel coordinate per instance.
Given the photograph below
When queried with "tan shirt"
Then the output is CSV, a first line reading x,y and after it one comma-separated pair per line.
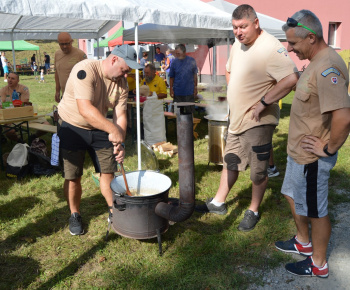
x,y
22,91
87,82
255,70
65,62
321,89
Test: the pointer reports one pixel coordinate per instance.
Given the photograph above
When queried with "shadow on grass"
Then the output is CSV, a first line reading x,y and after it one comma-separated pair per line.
x,y
22,270
17,207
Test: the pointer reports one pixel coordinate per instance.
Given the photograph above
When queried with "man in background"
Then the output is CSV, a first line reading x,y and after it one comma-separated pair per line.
x,y
4,65
154,82
259,72
183,76
47,62
319,125
23,93
65,58
159,56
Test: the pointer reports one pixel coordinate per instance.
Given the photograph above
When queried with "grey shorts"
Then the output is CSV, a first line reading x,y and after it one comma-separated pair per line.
x,y
249,148
307,185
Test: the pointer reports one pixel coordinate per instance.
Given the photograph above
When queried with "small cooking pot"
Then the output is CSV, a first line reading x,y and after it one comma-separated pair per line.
x,y
134,216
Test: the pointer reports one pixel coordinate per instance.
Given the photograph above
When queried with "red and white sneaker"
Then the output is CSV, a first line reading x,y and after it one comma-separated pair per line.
x,y
293,246
307,268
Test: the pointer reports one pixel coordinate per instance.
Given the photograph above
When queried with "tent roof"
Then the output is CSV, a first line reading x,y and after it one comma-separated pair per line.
x,y
18,45
104,43
30,19
171,34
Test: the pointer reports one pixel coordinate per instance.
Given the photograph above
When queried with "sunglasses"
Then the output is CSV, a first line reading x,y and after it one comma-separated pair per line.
x,y
64,44
291,22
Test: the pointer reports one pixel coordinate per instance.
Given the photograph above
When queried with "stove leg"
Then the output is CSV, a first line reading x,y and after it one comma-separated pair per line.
x,y
108,229
159,239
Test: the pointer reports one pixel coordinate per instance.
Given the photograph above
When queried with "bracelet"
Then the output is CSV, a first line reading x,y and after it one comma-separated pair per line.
x,y
263,102
325,150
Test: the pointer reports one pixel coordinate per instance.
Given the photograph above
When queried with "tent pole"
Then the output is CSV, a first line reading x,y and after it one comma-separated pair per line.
x,y
13,53
13,45
138,100
98,48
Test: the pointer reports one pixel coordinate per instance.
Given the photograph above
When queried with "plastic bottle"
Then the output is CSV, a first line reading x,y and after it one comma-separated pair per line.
x,y
15,95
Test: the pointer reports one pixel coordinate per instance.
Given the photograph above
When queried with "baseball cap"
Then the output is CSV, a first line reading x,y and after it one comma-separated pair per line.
x,y
128,53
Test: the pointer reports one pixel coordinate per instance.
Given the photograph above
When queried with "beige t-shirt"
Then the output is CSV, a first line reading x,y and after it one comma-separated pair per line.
x,y
255,70
321,89
87,82
23,93
65,62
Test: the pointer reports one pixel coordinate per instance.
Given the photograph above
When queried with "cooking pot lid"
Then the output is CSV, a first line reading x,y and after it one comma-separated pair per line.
x,y
149,160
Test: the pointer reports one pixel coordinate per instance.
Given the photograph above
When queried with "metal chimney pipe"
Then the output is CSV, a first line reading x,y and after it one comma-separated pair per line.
x,y
181,212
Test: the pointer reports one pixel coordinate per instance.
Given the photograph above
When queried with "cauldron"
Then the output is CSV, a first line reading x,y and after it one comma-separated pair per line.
x,y
134,216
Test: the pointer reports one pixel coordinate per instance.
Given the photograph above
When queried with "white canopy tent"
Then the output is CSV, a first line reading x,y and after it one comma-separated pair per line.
x,y
194,13
205,36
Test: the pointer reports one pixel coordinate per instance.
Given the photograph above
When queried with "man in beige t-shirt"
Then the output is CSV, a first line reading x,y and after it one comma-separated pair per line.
x,y
259,72
65,58
93,87
319,125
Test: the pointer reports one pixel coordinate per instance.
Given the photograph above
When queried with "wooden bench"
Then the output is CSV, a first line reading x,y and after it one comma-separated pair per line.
x,y
41,127
196,121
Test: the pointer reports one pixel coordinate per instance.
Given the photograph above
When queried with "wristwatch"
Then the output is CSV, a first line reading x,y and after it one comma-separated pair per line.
x,y
263,102
325,150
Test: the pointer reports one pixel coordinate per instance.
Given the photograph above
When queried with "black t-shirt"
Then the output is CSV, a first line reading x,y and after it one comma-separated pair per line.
x,y
47,58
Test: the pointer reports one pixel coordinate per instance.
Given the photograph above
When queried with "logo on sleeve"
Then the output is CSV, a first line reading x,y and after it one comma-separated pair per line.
x,y
329,71
283,50
334,80
81,74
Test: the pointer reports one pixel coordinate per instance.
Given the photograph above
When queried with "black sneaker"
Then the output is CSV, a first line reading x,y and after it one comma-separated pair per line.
x,y
307,268
75,224
211,208
249,221
292,246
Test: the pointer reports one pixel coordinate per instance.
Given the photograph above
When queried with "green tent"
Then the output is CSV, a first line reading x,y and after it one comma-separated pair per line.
x,y
18,44
104,43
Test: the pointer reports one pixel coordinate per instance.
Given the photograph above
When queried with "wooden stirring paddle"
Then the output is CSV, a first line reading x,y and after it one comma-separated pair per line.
x,y
126,183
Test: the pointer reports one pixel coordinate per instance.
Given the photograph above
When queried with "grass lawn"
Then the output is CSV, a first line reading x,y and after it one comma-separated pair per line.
x,y
206,251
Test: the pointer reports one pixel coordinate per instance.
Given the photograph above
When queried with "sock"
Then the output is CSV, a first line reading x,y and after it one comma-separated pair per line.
x,y
320,267
216,203
301,243
256,213
272,166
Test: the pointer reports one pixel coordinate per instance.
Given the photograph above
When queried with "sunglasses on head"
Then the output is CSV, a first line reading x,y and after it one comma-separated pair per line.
x,y
291,22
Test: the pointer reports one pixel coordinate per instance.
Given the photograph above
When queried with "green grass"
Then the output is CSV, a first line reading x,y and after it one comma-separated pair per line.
x,y
203,252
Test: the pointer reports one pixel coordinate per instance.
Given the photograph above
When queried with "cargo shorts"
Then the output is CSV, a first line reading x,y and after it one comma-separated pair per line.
x,y
252,148
75,141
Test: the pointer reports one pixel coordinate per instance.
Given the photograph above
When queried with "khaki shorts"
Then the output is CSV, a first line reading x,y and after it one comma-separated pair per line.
x,y
74,142
252,148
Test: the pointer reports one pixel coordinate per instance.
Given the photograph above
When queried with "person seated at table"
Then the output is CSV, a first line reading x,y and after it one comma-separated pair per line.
x,y
154,82
23,93
131,78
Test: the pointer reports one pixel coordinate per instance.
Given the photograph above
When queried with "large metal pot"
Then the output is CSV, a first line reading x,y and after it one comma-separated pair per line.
x,y
217,129
134,216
